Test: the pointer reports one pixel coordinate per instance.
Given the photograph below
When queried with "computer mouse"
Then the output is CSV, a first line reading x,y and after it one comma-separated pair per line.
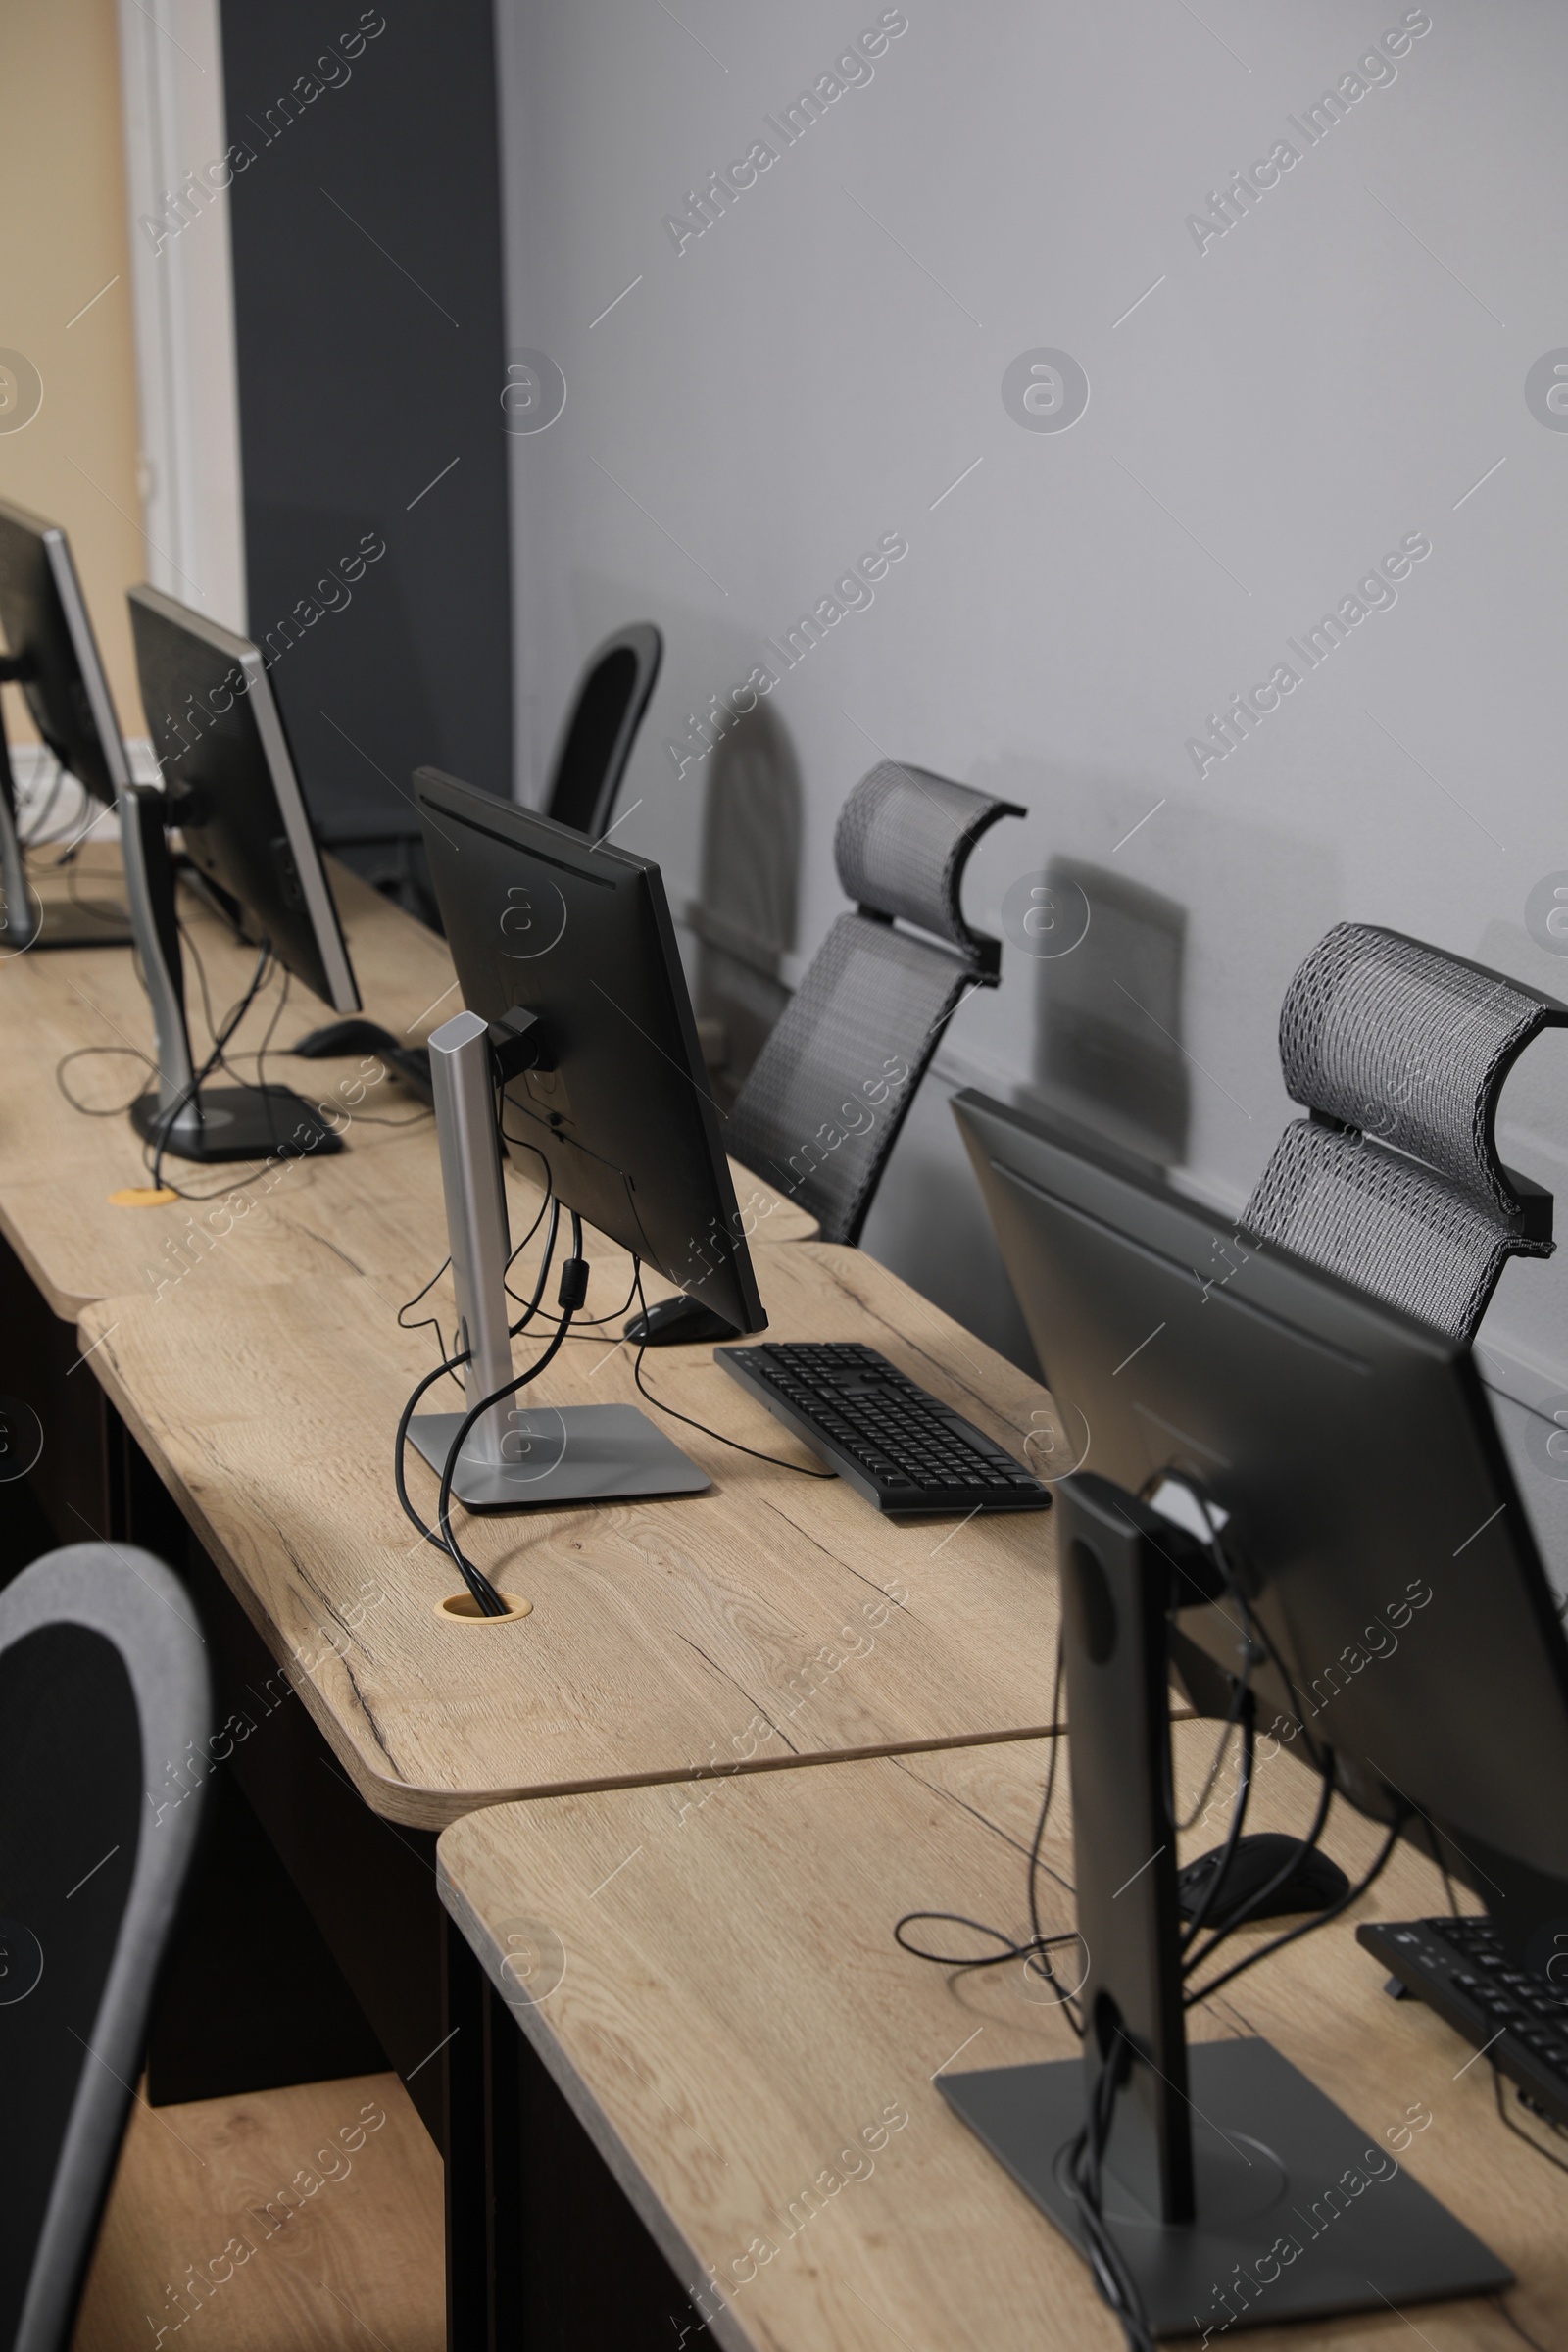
x,y
410,1064
353,1036
678,1322
1312,1884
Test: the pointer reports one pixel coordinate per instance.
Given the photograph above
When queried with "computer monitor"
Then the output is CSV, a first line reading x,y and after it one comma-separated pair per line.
x,y
50,655
621,1118
1412,1642
230,788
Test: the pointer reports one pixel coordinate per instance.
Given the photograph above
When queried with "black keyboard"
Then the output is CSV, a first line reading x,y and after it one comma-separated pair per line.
x,y
892,1441
1459,1968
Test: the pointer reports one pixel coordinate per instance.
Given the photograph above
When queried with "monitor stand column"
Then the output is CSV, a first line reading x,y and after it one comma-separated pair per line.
x,y
519,1455
1237,2193
179,1119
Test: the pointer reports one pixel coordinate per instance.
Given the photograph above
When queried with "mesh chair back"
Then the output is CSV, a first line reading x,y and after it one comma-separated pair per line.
x,y
824,1100
1394,1183
602,727
103,1688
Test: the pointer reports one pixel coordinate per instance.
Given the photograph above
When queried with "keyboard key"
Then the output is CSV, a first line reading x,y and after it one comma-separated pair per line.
x,y
896,1443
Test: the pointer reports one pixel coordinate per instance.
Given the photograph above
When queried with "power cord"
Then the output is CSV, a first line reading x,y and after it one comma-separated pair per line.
x,y
800,1468
569,1296
1255,1903
1517,2128
1035,1950
188,1091
1117,2289
115,1110
1218,1876
1255,1648
573,1288
1304,1926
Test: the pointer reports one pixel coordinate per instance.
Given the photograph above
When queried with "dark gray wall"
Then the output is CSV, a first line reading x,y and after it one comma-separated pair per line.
x,y
366,244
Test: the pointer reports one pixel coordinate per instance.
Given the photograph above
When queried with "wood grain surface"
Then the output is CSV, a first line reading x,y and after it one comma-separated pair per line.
x,y
376,1207
711,1977
284,2218
774,1617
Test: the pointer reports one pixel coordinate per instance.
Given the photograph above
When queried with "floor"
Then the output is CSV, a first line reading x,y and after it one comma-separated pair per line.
x,y
291,2220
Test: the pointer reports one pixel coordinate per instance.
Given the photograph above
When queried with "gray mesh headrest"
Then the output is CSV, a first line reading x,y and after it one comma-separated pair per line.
x,y
902,839
1409,1045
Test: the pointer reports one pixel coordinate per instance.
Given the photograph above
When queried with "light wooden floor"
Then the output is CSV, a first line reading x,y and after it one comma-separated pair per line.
x,y
354,2262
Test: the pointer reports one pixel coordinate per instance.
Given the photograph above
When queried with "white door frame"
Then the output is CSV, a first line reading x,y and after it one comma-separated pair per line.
x,y
182,300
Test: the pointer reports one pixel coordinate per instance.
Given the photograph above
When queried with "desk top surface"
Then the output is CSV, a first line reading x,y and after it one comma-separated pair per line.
x,y
773,1618
711,1977
375,1208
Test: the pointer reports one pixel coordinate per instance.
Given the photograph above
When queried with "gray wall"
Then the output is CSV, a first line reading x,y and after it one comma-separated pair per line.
x,y
1294,400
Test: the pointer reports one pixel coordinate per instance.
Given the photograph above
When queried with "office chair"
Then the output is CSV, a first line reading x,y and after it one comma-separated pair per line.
x,y
1398,1051
590,761
824,1103
602,727
103,1698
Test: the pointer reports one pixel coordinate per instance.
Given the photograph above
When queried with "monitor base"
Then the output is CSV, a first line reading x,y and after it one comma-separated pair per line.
x,y
239,1122
1275,2172
74,923
578,1453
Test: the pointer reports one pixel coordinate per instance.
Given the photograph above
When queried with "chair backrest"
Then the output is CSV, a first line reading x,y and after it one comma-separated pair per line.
x,y
103,1699
600,728
1398,1050
824,1103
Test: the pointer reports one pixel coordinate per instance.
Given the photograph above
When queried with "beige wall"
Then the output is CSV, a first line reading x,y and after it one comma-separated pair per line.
x,y
62,201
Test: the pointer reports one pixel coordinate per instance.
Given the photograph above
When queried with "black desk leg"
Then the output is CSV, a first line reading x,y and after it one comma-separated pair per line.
x,y
468,2197
545,2252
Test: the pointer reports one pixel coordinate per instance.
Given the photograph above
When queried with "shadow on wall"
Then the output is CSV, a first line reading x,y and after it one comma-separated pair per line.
x,y
1107,1049
745,916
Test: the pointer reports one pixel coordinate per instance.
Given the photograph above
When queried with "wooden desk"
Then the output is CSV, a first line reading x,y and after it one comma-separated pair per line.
x,y
722,2000
773,1619
376,1207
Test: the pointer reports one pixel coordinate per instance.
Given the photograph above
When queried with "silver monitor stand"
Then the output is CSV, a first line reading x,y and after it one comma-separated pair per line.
x,y
519,1456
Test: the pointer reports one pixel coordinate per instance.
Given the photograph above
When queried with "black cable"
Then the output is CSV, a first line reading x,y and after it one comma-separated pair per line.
x,y
1212,1778
192,1087
451,1364
116,1110
1227,1853
530,1307
1518,2129
260,1056
1035,1949
1305,1927
219,1041
518,1246
573,1280
584,1326
427,1322
1254,1902
1114,2280
800,1468
473,1577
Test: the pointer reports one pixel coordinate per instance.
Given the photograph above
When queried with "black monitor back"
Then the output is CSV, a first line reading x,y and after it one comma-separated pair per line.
x,y
624,1120
44,623
1370,1504
232,788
